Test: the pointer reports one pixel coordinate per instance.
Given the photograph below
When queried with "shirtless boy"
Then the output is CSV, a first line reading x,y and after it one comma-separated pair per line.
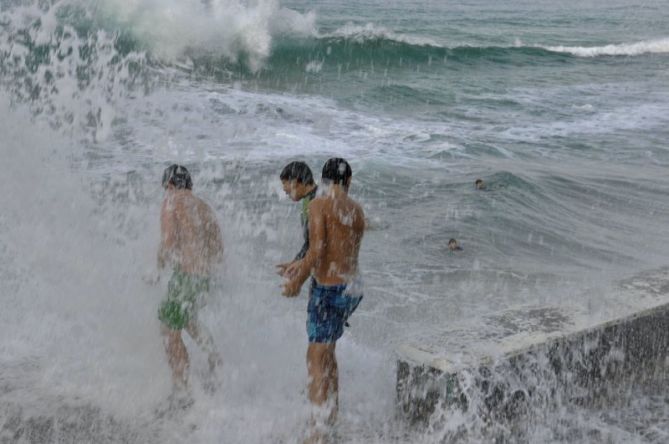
x,y
191,244
336,227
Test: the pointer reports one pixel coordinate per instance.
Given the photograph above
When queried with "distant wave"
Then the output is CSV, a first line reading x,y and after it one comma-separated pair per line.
x,y
371,47
354,45
660,46
371,32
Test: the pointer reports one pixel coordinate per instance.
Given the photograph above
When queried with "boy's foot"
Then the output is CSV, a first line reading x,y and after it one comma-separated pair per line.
x,y
211,380
180,399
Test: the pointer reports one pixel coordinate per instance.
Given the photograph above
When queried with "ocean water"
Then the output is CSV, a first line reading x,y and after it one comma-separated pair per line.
x,y
562,108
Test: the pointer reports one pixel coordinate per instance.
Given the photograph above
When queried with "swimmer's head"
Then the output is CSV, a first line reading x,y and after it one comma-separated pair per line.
x,y
297,180
177,176
479,184
453,245
337,171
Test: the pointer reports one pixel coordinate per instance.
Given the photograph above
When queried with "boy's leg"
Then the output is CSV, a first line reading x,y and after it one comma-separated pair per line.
x,y
177,356
205,341
323,378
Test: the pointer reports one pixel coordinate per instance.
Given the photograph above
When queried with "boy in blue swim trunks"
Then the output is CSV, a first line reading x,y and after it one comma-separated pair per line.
x,y
336,227
191,243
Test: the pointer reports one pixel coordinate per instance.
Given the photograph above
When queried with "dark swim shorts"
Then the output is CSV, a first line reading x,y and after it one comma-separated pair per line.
x,y
329,308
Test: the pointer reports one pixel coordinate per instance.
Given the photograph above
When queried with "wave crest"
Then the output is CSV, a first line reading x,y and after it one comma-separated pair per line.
x,y
660,46
371,32
233,29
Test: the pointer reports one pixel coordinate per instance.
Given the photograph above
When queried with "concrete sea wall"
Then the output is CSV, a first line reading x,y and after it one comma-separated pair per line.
x,y
533,358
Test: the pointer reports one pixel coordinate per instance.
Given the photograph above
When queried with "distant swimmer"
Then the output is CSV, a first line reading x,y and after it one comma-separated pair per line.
x,y
191,244
479,184
453,245
298,184
336,228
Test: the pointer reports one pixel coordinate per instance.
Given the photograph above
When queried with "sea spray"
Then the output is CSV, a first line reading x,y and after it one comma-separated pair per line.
x,y
73,79
234,30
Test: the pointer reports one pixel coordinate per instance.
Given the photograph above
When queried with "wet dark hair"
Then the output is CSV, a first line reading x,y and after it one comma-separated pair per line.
x,y
337,171
451,241
299,171
478,181
178,176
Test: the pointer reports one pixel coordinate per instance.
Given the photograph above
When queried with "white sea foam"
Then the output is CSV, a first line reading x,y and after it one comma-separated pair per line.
x,y
61,270
314,66
659,46
233,29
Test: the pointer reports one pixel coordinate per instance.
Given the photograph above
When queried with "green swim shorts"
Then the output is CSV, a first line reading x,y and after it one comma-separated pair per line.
x,y
183,291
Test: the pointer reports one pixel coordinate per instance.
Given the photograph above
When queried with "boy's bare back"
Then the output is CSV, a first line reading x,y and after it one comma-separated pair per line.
x,y
190,232
340,222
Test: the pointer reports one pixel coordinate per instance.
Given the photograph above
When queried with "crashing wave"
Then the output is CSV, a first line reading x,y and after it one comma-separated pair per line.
x,y
233,29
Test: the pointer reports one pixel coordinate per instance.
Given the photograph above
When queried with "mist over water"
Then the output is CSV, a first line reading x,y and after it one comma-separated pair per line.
x,y
562,111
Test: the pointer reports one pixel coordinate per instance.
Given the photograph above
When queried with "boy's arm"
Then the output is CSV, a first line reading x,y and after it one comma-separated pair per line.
x,y
300,271
282,268
305,234
303,251
217,239
168,234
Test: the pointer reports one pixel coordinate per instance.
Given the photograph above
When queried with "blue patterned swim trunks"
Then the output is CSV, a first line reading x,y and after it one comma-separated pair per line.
x,y
329,309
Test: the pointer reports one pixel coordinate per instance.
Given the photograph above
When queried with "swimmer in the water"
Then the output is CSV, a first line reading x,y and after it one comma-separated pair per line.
x,y
453,245
479,184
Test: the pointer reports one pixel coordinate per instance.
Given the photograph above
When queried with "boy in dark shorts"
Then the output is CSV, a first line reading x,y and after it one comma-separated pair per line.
x,y
336,227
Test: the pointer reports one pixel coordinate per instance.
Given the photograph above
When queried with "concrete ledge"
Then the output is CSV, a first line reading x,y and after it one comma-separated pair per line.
x,y
532,358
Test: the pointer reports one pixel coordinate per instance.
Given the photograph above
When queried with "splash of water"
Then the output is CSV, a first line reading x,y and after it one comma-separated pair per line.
x,y
233,29
69,77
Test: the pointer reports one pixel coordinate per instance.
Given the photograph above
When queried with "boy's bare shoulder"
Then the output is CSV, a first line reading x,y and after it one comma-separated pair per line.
x,y
201,202
206,209
357,207
318,203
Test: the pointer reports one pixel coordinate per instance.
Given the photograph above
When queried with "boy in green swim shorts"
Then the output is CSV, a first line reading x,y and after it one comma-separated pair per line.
x,y
191,243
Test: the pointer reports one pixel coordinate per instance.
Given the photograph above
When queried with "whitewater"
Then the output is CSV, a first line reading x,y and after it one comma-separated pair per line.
x,y
562,110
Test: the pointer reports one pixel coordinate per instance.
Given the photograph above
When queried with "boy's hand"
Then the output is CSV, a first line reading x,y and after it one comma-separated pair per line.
x,y
281,268
292,270
291,288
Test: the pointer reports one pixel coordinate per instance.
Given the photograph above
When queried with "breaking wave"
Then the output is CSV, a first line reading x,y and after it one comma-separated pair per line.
x,y
234,29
